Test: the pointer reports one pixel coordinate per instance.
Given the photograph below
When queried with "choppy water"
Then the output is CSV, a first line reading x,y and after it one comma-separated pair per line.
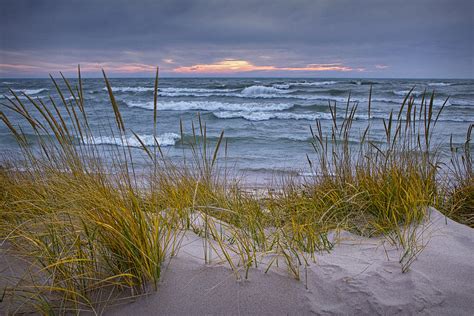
x,y
266,121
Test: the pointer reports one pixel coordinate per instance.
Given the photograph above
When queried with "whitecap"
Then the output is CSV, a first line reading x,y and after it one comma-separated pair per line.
x,y
298,138
166,139
312,83
30,91
403,93
439,84
265,116
172,91
258,90
462,103
211,106
281,85
130,89
195,90
307,174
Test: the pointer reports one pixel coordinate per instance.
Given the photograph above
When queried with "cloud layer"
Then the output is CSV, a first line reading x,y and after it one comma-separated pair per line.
x,y
372,38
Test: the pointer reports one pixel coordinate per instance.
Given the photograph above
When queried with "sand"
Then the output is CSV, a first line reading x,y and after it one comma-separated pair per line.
x,y
360,276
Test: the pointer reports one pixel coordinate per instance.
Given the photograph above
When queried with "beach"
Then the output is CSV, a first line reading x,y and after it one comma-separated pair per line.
x,y
361,275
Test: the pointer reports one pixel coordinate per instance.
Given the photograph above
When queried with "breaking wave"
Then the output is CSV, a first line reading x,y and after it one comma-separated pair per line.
x,y
31,91
194,92
262,91
462,103
197,90
172,91
166,139
439,84
211,106
130,89
265,116
312,83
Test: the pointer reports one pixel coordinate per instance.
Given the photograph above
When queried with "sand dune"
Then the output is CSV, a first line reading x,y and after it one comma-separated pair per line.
x,y
360,276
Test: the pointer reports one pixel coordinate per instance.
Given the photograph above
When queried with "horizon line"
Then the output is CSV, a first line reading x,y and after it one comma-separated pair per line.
x,y
245,77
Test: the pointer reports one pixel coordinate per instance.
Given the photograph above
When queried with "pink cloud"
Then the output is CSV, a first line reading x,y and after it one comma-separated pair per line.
x,y
86,67
235,66
17,67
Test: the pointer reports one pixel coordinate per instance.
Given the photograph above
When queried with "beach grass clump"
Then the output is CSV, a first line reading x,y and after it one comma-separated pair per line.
x,y
89,231
82,229
380,186
79,237
460,198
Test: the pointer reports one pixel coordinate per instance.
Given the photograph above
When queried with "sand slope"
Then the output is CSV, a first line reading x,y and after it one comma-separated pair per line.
x,y
360,276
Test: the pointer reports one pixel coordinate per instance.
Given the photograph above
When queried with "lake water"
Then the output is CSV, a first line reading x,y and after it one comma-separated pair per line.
x,y
266,121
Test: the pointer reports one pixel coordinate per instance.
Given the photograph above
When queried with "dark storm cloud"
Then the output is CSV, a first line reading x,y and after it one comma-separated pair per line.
x,y
413,38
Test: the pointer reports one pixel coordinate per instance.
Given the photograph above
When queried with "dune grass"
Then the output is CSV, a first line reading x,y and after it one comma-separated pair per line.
x,y
89,233
460,206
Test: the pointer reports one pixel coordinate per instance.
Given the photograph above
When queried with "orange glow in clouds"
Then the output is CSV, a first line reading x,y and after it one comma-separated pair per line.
x,y
226,66
87,67
233,65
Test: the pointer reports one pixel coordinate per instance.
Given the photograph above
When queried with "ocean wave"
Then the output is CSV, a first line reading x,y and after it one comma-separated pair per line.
x,y
176,92
250,92
439,84
363,82
287,95
462,103
381,100
312,83
334,91
303,84
211,106
22,97
454,119
265,116
130,89
187,138
196,90
30,91
318,107
279,94
196,94
262,91
307,174
166,139
403,93
296,138
172,91
399,101
281,85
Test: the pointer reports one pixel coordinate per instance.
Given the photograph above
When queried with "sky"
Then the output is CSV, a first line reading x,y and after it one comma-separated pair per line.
x,y
244,38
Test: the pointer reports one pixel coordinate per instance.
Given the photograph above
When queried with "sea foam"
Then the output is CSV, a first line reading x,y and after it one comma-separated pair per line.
x,y
166,139
211,106
30,91
265,116
439,84
130,89
263,91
